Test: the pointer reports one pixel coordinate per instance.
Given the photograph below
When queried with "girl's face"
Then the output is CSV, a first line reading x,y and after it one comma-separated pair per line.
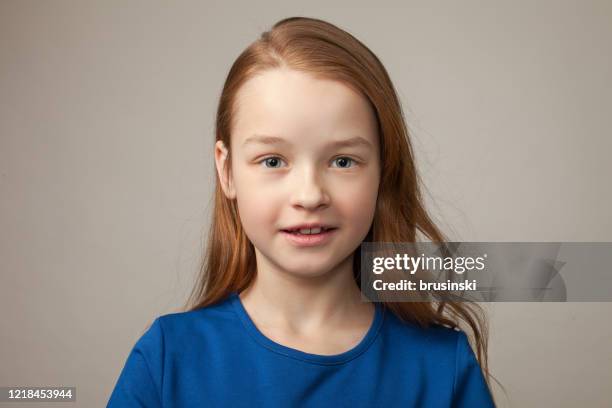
x,y
288,168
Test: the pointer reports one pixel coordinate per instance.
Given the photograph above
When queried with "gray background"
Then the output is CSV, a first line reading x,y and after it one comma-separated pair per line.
x,y
106,124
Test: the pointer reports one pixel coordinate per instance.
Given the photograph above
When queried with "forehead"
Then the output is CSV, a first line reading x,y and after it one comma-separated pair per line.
x,y
297,106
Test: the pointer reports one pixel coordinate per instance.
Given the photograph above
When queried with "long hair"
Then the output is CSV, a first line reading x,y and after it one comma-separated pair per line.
x,y
326,51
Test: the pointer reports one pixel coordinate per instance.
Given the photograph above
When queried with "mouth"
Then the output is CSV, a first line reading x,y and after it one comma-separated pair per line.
x,y
310,237
309,231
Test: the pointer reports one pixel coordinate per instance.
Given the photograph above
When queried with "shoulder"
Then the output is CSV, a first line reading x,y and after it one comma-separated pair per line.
x,y
432,346
177,335
215,313
447,353
438,338
171,339
443,352
202,318
180,332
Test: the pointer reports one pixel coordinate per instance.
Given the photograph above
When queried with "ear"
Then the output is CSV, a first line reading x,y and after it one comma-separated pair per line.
x,y
223,170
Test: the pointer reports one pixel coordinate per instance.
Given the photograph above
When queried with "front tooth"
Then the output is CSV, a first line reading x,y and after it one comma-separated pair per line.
x,y
308,231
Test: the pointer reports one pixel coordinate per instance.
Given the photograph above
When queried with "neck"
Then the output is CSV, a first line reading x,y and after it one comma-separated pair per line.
x,y
303,303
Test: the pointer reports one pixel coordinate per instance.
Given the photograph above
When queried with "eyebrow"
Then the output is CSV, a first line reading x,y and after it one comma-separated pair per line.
x,y
354,141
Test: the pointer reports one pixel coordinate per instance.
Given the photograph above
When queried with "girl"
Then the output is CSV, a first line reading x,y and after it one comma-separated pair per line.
x,y
312,158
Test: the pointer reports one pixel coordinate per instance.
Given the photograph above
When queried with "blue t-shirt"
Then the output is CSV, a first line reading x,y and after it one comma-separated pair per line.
x,y
215,356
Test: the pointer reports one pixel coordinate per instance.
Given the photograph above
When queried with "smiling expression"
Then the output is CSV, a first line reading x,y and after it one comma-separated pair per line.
x,y
304,150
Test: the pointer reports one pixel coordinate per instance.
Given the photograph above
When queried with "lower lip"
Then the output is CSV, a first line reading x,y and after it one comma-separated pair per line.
x,y
310,239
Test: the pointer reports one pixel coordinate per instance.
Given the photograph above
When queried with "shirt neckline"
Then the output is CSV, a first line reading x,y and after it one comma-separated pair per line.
x,y
259,337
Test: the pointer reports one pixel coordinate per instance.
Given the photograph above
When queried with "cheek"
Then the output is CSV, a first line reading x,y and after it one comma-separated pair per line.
x,y
256,206
357,203
256,210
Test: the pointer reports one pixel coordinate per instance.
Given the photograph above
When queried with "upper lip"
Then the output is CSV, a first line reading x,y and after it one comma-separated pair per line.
x,y
308,226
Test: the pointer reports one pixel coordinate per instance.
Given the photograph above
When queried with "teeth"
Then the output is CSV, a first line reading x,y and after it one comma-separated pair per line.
x,y
308,231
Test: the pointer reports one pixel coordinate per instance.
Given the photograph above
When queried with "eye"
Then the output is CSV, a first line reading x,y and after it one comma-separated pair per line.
x,y
343,161
273,161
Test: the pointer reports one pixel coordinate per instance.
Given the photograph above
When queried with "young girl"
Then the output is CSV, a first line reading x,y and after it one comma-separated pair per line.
x,y
312,158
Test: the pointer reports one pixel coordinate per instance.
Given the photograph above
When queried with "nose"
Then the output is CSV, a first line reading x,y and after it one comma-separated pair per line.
x,y
309,191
